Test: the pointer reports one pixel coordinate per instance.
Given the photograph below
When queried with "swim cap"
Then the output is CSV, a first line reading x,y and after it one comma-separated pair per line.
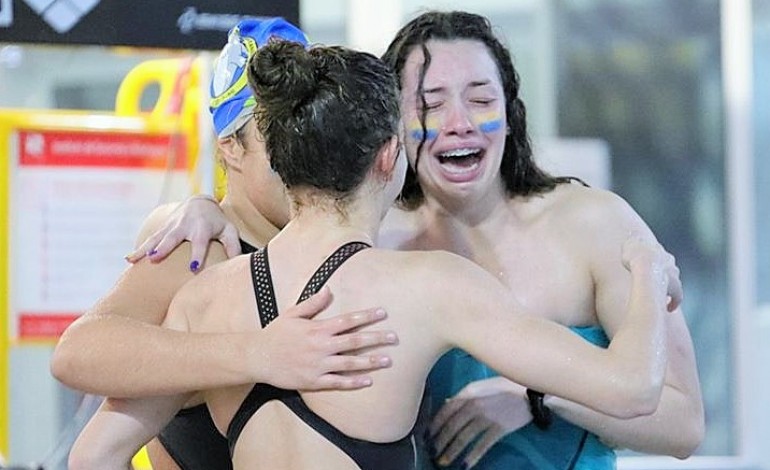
x,y
232,102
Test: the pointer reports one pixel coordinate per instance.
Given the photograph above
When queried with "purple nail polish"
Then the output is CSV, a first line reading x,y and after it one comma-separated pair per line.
x,y
194,266
153,252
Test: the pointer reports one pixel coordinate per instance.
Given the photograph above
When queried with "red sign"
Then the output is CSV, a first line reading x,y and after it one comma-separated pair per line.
x,y
44,326
103,149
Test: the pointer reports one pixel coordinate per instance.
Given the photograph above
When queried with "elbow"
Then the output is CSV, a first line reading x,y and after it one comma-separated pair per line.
x,y
69,359
64,364
61,365
685,450
691,437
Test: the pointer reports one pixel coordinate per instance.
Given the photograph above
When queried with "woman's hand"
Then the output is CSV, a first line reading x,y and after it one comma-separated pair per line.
x,y
298,352
487,409
199,219
642,254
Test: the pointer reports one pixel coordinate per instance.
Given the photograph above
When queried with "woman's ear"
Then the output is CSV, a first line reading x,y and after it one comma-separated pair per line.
x,y
232,152
387,157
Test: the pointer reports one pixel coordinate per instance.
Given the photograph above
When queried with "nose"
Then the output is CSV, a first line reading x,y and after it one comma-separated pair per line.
x,y
458,121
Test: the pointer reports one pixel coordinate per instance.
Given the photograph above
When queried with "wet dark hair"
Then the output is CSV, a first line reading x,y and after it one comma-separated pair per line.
x,y
324,112
520,173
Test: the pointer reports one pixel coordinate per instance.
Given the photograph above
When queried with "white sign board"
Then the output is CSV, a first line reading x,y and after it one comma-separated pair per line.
x,y
77,202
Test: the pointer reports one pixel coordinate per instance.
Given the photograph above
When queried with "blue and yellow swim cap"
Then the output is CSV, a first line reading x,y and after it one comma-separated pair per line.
x,y
232,101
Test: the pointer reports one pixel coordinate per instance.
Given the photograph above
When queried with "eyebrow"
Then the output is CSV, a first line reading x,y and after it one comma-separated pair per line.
x,y
479,83
433,90
473,84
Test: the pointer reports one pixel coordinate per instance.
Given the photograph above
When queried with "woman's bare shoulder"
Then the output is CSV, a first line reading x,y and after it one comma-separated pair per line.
x,y
593,221
206,298
583,207
423,266
221,277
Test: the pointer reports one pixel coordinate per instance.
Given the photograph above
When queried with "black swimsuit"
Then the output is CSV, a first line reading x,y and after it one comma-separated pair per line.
x,y
191,438
398,455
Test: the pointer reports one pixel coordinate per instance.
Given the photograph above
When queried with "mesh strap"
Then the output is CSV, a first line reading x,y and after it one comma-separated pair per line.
x,y
263,287
263,282
324,272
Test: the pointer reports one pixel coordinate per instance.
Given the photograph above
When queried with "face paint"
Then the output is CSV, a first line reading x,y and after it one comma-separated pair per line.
x,y
416,132
489,122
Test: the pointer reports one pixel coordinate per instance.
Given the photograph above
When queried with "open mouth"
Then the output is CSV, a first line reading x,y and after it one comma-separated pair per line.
x,y
460,160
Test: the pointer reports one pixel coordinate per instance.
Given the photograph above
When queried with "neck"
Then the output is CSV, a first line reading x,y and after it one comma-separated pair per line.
x,y
468,209
252,225
324,225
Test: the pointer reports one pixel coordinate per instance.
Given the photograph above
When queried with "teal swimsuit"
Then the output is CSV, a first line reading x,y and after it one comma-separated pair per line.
x,y
563,446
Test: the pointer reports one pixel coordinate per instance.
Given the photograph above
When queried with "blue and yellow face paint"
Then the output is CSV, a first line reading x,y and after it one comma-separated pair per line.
x,y
489,122
416,132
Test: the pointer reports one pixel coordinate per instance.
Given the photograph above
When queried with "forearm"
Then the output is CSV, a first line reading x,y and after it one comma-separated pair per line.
x,y
120,357
640,344
119,429
674,429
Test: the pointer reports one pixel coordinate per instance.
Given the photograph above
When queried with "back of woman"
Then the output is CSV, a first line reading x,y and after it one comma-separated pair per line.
x,y
383,414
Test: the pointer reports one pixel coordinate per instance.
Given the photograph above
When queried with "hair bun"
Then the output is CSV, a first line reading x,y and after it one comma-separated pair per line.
x,y
283,76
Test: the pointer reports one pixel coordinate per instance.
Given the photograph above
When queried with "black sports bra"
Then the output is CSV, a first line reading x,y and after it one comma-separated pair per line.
x,y
397,455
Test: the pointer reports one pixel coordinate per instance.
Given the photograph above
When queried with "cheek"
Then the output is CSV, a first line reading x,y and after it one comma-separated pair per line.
x,y
489,122
269,180
260,175
416,132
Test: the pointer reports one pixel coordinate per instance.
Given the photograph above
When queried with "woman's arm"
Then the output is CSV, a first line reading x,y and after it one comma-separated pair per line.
x,y
624,380
119,429
117,348
676,427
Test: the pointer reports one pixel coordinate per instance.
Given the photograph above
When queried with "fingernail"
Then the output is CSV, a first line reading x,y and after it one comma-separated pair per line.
x,y
443,461
385,361
153,252
391,337
194,266
379,313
